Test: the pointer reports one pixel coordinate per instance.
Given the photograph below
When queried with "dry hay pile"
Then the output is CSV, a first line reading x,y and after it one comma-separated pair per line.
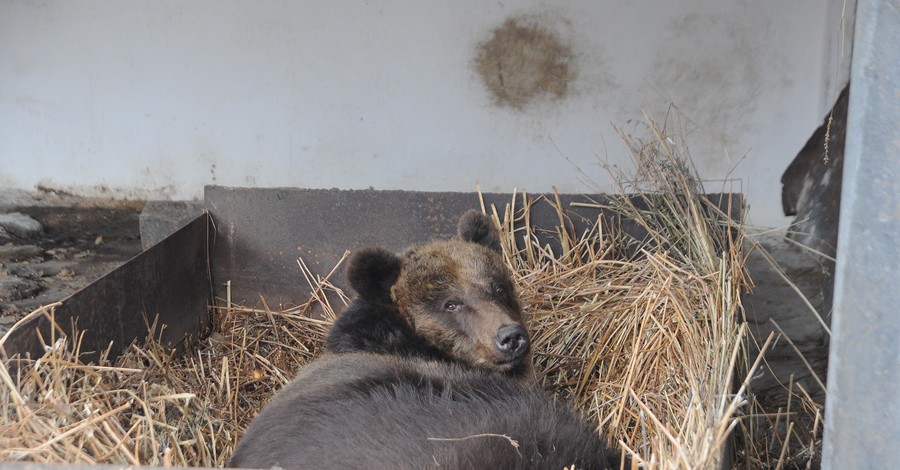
x,y
643,335
150,406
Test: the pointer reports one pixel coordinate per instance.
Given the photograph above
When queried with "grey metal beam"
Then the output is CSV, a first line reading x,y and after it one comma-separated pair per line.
x,y
862,418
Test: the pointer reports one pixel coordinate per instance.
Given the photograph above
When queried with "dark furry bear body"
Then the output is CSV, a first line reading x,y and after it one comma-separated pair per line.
x,y
366,411
430,367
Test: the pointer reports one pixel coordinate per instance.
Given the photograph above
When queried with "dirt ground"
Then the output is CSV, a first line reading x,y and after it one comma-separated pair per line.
x,y
79,241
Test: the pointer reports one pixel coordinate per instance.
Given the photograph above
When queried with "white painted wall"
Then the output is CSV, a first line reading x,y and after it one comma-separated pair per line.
x,y
157,98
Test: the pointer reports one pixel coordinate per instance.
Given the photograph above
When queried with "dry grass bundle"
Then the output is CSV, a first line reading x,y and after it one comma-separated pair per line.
x,y
58,409
149,406
642,334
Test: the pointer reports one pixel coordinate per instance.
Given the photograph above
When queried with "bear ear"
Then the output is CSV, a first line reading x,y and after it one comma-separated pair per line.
x,y
371,273
478,228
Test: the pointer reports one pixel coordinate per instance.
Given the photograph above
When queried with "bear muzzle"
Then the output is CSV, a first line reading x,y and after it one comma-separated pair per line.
x,y
512,342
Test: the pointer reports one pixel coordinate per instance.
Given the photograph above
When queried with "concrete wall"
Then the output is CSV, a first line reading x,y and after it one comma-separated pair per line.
x,y
155,99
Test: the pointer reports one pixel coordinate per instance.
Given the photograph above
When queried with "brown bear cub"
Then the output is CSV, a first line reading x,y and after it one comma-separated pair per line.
x,y
424,370
450,300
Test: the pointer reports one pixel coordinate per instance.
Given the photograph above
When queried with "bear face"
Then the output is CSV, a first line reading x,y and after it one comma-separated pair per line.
x,y
459,297
453,300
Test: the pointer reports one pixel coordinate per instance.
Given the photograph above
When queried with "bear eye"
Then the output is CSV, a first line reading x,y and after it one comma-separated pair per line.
x,y
498,289
452,306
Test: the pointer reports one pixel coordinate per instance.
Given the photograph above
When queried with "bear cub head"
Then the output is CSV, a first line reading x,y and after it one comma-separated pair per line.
x,y
453,300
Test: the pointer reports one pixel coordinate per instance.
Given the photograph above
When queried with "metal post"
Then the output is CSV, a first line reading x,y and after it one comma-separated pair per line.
x,y
862,418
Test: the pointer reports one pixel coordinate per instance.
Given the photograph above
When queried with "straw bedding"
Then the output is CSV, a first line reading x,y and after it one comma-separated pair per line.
x,y
643,335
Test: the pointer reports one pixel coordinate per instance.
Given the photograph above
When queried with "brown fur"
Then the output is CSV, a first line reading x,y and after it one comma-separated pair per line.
x,y
404,304
471,275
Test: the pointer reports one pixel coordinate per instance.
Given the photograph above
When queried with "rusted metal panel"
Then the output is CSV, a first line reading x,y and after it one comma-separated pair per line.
x,y
261,232
170,281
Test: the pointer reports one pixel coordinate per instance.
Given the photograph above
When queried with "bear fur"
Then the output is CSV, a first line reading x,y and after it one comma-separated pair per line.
x,y
427,368
375,411
451,300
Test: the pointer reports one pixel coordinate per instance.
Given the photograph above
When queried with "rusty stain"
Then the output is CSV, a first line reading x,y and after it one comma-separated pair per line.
x,y
523,61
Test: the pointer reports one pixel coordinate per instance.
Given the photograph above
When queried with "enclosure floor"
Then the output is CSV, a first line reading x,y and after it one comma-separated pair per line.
x,y
82,239
773,302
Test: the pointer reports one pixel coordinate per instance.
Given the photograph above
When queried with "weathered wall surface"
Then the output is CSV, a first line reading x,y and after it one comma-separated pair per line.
x,y
156,99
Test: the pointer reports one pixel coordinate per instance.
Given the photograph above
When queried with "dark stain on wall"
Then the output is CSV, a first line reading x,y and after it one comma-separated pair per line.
x,y
522,61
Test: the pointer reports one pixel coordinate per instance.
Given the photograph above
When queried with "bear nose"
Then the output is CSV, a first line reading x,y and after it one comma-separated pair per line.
x,y
512,341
